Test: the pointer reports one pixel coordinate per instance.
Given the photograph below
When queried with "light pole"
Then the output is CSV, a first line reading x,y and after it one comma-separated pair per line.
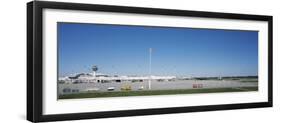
x,y
149,81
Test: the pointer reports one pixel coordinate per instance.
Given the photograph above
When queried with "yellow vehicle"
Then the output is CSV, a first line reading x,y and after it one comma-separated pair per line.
x,y
126,88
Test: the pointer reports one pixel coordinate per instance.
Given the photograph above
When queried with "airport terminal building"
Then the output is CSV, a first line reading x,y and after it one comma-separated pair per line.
x,y
103,78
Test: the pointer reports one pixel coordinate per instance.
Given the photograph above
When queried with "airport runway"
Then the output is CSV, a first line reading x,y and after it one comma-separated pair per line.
x,y
155,85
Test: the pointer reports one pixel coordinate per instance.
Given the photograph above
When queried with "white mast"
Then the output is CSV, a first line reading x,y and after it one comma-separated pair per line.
x,y
149,81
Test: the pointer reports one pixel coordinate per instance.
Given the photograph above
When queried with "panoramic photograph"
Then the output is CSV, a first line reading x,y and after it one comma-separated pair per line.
x,y
106,60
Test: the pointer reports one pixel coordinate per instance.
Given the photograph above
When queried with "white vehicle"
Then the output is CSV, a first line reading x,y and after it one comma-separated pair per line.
x,y
110,88
141,88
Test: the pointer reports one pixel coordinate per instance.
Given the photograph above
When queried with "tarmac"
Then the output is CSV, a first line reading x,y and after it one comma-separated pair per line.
x,y
155,85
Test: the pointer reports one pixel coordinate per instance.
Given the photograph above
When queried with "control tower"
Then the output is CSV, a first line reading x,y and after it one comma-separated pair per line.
x,y
94,69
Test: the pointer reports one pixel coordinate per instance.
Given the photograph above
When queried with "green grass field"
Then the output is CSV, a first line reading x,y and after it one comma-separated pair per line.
x,y
154,92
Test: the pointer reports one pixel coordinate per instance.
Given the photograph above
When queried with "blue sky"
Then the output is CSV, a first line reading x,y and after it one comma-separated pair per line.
x,y
124,50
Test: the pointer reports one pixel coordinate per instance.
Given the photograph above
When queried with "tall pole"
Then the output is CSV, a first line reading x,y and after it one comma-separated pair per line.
x,y
149,81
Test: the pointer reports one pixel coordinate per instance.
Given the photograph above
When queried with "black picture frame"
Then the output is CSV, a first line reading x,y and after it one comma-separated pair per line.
x,y
35,69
